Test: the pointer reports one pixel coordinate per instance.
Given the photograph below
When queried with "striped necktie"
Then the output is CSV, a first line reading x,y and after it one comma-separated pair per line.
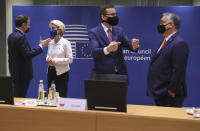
x,y
109,34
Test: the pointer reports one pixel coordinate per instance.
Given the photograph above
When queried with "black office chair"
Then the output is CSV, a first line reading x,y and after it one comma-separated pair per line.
x,y
6,92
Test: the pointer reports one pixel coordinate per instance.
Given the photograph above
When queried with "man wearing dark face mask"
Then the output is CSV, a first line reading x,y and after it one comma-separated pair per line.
x,y
166,77
107,42
21,54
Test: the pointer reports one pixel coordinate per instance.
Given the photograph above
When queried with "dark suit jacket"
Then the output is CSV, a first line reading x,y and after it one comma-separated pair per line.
x,y
106,64
167,69
20,56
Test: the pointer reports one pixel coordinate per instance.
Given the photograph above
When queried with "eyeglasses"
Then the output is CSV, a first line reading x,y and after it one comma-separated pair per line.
x,y
113,14
166,24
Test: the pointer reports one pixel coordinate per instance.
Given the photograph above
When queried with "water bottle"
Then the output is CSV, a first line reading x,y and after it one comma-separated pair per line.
x,y
57,98
41,92
52,94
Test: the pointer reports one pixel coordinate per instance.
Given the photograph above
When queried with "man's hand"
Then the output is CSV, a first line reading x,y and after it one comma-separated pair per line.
x,y
50,61
171,93
113,46
44,43
135,43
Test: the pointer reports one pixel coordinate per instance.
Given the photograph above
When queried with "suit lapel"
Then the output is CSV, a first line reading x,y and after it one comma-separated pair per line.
x,y
155,57
164,47
169,41
156,54
103,35
114,34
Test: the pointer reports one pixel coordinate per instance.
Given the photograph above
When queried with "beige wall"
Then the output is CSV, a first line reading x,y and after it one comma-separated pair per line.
x,y
102,2
196,2
2,38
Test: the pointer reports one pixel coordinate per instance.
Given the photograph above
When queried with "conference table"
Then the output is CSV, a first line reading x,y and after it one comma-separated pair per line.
x,y
137,118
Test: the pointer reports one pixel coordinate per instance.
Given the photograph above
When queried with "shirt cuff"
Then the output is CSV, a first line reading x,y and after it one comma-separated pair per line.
x,y
105,51
40,46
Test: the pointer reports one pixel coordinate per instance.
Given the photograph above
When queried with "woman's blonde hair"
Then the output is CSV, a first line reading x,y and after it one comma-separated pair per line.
x,y
60,25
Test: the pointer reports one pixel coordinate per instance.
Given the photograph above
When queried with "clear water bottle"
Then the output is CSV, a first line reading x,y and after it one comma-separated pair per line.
x,y
52,94
57,98
41,92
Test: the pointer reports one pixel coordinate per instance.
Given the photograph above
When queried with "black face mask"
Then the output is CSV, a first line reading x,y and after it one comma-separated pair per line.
x,y
112,20
161,28
27,30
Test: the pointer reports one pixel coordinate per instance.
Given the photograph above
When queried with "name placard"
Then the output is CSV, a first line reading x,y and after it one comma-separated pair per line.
x,y
72,104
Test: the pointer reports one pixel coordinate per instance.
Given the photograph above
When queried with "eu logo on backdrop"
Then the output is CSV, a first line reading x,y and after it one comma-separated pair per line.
x,y
78,36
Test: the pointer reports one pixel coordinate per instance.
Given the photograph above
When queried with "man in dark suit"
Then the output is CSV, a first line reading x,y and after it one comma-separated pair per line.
x,y
21,54
166,78
107,42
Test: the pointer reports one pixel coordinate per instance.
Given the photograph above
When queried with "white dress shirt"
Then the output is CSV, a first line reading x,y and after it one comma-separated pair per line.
x,y
167,38
106,29
61,53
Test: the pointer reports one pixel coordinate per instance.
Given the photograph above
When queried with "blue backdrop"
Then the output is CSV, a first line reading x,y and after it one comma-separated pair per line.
x,y
138,22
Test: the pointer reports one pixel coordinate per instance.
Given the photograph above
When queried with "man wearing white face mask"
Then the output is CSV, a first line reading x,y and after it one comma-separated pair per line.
x,y
59,57
21,54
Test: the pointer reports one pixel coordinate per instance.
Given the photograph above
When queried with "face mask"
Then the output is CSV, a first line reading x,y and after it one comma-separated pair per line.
x,y
161,28
53,33
27,30
112,20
